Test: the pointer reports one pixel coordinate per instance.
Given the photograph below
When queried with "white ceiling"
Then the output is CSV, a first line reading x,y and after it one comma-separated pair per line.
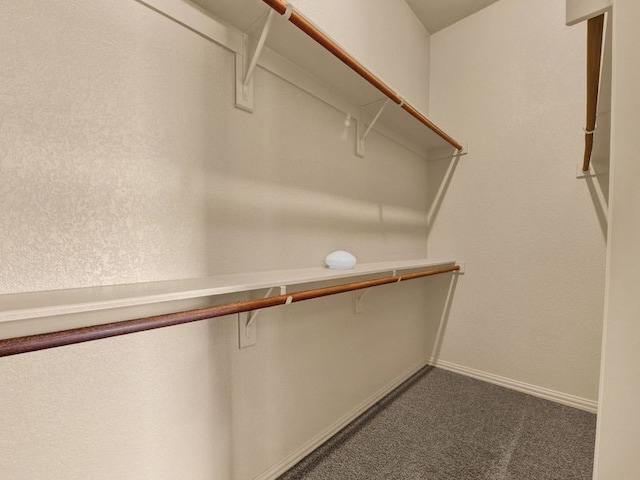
x,y
438,14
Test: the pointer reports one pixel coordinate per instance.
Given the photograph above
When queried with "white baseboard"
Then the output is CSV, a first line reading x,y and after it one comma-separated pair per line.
x,y
555,396
297,455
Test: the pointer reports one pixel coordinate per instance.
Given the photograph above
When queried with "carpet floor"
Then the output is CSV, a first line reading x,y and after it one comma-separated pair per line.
x,y
443,426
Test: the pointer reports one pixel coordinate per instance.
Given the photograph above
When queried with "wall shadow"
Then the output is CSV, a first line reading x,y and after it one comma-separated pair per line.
x,y
439,302
440,176
600,203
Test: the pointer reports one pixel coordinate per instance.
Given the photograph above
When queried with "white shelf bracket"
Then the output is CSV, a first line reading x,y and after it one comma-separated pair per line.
x,y
254,314
362,132
443,153
358,300
247,333
589,173
244,77
247,330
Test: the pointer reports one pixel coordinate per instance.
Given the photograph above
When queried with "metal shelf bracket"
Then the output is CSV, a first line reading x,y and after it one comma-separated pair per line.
x,y
247,331
358,300
361,131
244,76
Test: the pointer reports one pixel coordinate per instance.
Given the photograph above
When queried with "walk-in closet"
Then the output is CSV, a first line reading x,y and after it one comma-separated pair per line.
x,y
304,239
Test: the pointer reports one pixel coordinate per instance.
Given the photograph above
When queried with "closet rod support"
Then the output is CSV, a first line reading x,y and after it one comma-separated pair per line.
x,y
360,126
263,38
254,313
244,74
247,329
358,300
375,119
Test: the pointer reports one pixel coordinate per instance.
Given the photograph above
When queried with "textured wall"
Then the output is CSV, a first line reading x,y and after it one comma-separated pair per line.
x,y
510,79
122,159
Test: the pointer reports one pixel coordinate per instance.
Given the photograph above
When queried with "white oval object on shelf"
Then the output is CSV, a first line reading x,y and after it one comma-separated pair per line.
x,y
340,260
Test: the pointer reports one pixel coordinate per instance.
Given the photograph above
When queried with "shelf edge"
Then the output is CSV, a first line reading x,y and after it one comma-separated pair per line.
x,y
294,278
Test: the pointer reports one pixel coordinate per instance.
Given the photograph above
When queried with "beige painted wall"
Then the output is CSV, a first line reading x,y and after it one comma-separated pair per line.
x,y
123,166
510,79
122,159
619,418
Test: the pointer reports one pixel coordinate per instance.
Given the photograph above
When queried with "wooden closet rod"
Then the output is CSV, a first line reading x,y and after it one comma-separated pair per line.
x,y
32,343
311,30
595,29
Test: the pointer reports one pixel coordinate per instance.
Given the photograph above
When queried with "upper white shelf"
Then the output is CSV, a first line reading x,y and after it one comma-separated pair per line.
x,y
21,306
289,42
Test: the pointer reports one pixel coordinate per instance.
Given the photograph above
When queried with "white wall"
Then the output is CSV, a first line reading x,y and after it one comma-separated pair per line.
x,y
510,79
122,159
618,416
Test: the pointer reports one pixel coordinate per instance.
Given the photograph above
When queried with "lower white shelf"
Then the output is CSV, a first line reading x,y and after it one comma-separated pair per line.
x,y
37,305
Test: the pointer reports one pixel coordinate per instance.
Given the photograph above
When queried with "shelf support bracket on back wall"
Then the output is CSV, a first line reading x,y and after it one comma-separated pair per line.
x,y
244,76
247,331
361,131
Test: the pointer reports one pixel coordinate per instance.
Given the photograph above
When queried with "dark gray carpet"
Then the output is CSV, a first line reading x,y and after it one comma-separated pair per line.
x,y
444,426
